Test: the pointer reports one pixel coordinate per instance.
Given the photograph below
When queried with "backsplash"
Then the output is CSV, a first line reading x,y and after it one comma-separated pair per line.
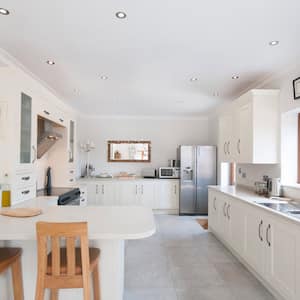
x,y
247,174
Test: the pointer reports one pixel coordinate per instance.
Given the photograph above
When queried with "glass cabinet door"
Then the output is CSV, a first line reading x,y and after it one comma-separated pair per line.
x,y
26,127
71,141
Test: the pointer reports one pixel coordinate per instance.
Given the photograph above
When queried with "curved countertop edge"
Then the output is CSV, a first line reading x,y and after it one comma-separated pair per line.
x,y
244,194
140,220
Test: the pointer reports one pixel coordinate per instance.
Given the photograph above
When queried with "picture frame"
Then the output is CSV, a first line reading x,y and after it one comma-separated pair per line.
x,y
296,88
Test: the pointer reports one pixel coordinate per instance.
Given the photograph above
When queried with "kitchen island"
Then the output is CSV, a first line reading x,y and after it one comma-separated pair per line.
x,y
109,227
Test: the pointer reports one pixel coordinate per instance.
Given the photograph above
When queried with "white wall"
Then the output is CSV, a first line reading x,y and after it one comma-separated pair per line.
x,y
165,135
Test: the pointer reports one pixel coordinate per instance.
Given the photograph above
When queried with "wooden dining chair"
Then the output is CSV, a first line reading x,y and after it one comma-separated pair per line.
x,y
65,267
11,257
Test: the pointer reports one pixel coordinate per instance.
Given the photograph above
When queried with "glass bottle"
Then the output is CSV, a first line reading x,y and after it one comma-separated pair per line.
x,y
6,194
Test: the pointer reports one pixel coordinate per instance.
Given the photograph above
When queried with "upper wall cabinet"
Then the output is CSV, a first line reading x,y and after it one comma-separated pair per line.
x,y
249,131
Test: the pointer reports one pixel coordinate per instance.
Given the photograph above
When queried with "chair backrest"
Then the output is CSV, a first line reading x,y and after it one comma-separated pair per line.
x,y
55,232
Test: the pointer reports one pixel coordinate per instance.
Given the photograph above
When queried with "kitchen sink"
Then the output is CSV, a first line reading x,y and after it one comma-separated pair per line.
x,y
292,208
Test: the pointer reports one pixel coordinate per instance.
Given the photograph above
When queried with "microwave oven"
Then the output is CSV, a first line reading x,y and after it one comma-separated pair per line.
x,y
168,172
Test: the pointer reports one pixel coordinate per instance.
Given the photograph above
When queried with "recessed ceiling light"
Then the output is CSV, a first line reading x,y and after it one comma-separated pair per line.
x,y
273,43
194,79
121,15
4,11
103,77
50,62
235,77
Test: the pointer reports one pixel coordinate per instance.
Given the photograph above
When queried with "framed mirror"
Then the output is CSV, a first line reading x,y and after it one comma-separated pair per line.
x,y
129,151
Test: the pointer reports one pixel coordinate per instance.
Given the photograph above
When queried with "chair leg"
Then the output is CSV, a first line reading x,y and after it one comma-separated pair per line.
x,y
54,294
17,279
96,283
40,289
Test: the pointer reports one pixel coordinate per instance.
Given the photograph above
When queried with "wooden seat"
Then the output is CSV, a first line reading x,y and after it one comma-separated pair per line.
x,y
66,267
11,257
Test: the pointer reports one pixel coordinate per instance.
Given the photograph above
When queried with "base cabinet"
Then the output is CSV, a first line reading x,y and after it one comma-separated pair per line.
x,y
155,194
269,244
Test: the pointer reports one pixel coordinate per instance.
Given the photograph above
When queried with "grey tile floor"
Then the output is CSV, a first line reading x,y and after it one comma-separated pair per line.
x,y
184,262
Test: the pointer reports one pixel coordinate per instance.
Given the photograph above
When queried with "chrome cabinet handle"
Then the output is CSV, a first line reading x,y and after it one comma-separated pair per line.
x,y
61,120
142,189
239,146
224,209
97,189
136,189
214,203
34,154
228,210
175,189
26,178
224,148
259,230
26,192
71,180
267,235
228,147
102,189
46,112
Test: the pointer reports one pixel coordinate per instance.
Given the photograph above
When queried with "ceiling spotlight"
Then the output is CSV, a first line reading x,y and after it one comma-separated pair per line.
x,y
235,77
103,77
4,11
194,79
273,43
121,15
50,62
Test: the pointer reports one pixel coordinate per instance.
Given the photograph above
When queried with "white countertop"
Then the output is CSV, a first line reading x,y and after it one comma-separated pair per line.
x,y
105,222
93,179
250,197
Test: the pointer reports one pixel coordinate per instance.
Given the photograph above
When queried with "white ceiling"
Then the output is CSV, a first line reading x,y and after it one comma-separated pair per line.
x,y
150,56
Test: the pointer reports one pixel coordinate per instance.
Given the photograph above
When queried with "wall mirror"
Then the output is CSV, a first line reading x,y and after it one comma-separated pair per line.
x,y
129,151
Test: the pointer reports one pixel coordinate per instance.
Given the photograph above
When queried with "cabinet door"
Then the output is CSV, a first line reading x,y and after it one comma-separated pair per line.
x,y
27,127
281,253
212,210
147,194
167,194
127,193
71,142
92,193
237,224
244,135
226,138
106,193
255,239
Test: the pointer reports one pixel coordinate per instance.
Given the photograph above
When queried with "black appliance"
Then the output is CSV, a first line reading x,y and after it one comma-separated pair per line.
x,y
66,196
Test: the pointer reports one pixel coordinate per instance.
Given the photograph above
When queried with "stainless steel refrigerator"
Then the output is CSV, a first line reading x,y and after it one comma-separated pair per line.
x,y
198,169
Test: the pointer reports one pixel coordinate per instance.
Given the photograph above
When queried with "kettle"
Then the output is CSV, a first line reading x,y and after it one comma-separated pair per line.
x,y
274,187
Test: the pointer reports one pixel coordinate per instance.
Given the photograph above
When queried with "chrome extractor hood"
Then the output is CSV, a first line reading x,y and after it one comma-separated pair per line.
x,y
47,135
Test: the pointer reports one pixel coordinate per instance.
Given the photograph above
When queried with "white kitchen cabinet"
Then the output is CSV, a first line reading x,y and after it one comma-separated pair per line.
x,y
268,243
105,193
167,194
255,238
147,193
281,256
249,129
226,137
213,210
127,193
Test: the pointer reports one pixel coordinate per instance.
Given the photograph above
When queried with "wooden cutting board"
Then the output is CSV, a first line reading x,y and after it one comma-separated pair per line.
x,y
21,212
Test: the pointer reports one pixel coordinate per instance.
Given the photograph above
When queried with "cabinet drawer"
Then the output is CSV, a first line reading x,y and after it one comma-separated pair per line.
x,y
23,194
25,179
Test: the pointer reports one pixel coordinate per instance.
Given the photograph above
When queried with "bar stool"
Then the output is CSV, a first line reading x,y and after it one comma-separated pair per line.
x,y
11,257
67,267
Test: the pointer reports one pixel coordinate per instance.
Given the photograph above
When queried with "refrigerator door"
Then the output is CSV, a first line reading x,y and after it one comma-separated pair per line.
x,y
187,180
206,163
